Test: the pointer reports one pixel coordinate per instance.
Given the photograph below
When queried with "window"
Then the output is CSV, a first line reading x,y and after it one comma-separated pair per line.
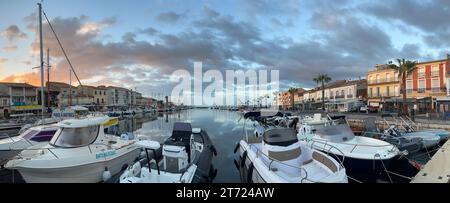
x,y
95,92
378,78
421,72
75,137
396,90
378,91
435,87
388,77
342,92
409,85
387,91
434,71
421,86
409,77
337,93
43,136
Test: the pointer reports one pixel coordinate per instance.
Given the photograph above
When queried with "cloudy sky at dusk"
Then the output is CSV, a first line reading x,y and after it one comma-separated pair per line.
x,y
140,43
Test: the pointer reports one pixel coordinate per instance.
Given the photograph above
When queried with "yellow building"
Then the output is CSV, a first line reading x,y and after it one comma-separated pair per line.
x,y
382,83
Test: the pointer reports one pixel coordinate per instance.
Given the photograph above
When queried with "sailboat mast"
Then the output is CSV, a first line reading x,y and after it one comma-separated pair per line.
x,y
48,77
41,59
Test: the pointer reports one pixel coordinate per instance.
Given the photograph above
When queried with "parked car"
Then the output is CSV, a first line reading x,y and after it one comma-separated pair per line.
x,y
363,108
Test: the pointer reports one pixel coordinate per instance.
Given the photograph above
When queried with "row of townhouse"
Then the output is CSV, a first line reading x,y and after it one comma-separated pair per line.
x,y
25,98
427,87
427,90
342,95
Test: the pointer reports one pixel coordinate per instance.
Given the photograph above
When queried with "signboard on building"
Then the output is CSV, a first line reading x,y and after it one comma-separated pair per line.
x,y
28,107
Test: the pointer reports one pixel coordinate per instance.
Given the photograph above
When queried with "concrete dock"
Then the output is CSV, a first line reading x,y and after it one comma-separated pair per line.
x,y
437,170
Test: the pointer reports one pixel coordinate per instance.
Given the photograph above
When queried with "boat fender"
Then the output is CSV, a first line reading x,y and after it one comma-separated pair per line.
x,y
214,150
106,175
237,147
250,173
244,157
236,164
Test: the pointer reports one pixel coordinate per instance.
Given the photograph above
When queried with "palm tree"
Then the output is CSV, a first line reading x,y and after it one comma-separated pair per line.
x,y
404,69
292,92
322,80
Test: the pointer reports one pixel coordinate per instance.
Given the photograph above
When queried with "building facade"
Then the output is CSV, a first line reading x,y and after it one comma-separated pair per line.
x,y
427,83
18,98
382,85
298,99
346,96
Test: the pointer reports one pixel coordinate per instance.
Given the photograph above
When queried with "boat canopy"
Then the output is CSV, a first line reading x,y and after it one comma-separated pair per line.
x,y
280,136
335,133
85,122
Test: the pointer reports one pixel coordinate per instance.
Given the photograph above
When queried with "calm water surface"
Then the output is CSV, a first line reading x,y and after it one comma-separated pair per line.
x,y
223,127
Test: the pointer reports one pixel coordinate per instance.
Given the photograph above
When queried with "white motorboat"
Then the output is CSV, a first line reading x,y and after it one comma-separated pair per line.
x,y
186,158
428,139
11,146
79,151
362,154
278,157
39,122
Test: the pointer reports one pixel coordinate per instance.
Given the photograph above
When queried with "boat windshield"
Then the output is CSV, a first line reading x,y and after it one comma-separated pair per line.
x,y
75,137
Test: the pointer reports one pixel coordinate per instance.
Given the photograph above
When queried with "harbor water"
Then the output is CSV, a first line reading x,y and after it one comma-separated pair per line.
x,y
224,127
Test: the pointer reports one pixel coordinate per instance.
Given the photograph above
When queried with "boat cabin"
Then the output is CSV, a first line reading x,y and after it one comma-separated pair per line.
x,y
82,132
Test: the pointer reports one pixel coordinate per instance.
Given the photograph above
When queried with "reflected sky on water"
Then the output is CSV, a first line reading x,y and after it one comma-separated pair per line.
x,y
223,127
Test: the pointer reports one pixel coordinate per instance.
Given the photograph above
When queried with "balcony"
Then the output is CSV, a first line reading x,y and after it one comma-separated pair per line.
x,y
380,95
339,96
382,80
349,95
424,90
421,75
438,90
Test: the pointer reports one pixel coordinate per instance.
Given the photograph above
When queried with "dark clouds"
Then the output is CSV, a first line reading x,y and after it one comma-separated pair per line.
x,y
431,17
338,43
13,32
168,17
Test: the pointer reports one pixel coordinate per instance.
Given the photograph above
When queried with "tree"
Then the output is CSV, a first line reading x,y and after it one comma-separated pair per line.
x,y
404,69
292,92
322,80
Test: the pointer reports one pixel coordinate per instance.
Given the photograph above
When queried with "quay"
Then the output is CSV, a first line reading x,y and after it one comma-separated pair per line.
x,y
437,170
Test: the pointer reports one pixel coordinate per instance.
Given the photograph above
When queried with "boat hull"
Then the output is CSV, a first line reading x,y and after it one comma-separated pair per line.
x,y
6,155
84,173
365,170
254,172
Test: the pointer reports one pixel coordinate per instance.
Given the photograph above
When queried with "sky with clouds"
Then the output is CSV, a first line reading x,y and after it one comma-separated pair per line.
x,y
138,44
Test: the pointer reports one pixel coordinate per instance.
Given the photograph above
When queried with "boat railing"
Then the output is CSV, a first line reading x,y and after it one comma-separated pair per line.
x,y
408,122
331,147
